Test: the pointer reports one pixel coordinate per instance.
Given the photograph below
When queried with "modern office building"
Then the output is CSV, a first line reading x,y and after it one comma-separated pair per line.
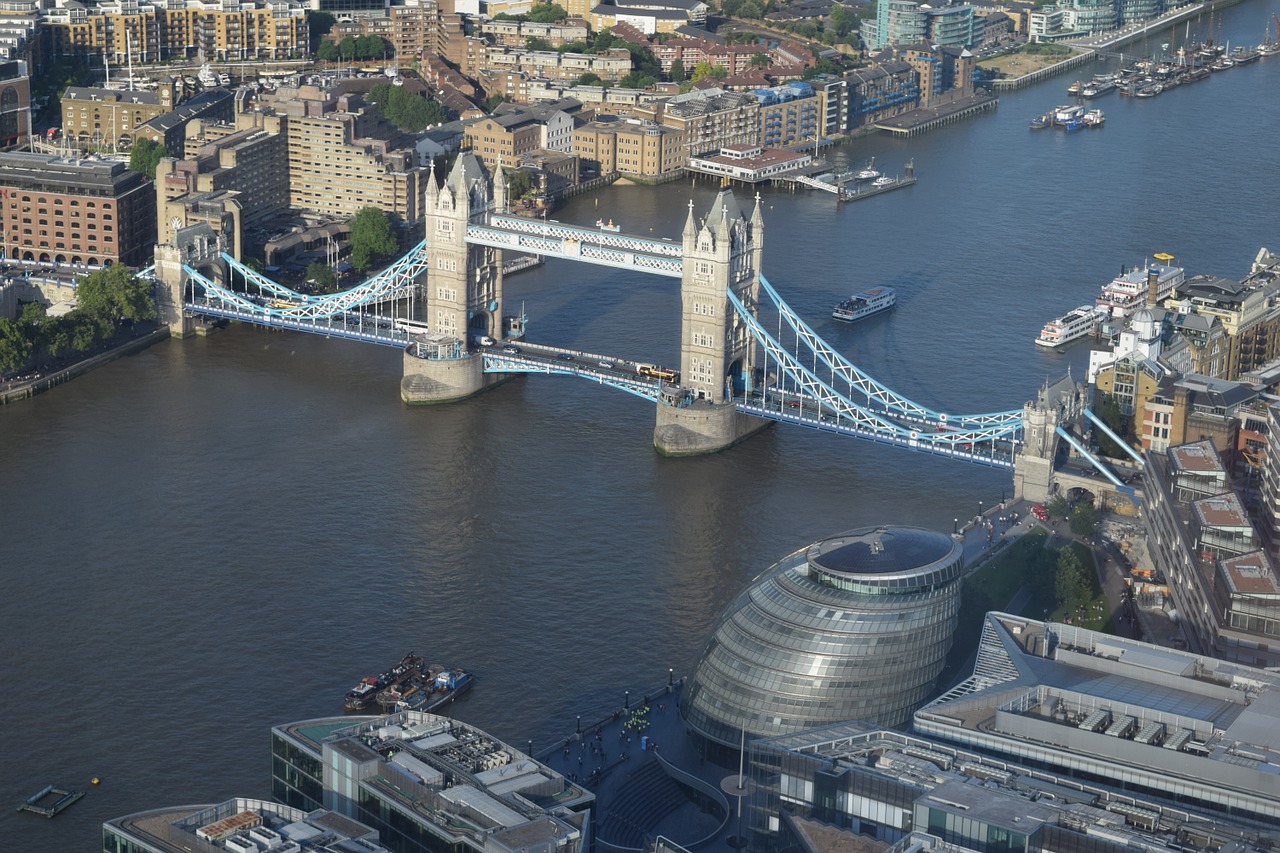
x,y
855,627
848,785
1187,730
92,212
1224,586
239,825
430,784
902,22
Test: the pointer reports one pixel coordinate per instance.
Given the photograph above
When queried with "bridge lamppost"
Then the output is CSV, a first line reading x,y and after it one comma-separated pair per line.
x,y
955,525
979,509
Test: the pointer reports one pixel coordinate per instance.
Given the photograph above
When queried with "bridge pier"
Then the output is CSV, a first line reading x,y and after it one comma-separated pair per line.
x,y
428,381
702,427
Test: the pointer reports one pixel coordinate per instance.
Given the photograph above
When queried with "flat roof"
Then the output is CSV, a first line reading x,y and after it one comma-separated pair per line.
x,y
1251,574
1200,457
1223,511
1037,682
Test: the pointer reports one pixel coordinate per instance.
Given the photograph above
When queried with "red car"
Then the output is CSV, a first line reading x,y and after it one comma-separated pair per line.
x,y
1038,512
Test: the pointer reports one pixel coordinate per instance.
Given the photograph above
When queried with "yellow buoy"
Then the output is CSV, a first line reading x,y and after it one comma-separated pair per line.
x,y
93,781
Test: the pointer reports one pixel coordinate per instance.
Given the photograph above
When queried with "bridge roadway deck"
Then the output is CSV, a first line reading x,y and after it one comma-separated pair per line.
x,y
555,239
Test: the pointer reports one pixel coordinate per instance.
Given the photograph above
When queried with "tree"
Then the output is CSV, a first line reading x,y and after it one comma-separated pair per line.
x,y
842,20
318,26
589,79
760,60
492,102
1114,418
750,9
1084,519
537,43
1071,586
15,347
114,293
371,237
677,71
321,275
1057,507
347,48
636,80
705,69
145,157
404,109
328,51
546,13
518,182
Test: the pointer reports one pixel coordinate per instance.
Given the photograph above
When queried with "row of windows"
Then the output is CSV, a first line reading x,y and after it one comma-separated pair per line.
x,y
57,201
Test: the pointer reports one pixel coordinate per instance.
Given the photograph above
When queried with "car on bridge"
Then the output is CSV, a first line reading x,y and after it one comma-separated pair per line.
x,y
607,365
510,349
565,356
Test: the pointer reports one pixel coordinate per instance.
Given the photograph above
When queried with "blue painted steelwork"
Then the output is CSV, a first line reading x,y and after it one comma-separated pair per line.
x,y
1093,460
993,444
1117,439
209,299
877,397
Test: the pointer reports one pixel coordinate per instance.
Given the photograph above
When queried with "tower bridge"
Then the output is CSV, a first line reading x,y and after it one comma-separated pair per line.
x,y
746,358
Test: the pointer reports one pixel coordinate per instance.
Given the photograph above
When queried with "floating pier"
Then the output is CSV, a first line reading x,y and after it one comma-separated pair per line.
x,y
867,190
50,800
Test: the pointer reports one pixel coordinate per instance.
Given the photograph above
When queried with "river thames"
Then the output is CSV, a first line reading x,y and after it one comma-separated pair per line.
x,y
222,534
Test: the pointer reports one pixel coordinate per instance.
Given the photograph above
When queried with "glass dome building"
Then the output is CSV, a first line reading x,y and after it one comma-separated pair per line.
x,y
855,627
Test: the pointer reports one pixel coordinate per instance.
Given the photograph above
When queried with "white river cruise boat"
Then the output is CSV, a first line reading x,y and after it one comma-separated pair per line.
x,y
1076,323
865,304
1130,290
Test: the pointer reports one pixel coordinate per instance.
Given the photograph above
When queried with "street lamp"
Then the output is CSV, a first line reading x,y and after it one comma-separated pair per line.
x,y
955,525
979,509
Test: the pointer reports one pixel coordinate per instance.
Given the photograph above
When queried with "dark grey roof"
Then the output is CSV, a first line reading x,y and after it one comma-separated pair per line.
x,y
123,96
880,550
197,106
1219,393
1214,287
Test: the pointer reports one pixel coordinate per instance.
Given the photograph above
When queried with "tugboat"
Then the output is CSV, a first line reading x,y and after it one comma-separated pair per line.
x,y
367,689
410,685
1041,122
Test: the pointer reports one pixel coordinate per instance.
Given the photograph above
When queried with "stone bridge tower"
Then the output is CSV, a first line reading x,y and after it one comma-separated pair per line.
x,y
197,246
463,287
1056,404
717,351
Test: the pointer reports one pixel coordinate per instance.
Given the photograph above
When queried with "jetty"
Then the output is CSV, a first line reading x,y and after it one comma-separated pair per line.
x,y
926,119
50,800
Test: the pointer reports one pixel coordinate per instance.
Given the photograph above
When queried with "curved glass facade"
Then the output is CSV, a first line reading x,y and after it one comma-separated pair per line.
x,y
855,627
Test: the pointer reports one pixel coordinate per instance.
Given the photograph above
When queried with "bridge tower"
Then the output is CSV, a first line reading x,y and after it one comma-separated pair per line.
x,y
196,246
717,351
464,288
1059,403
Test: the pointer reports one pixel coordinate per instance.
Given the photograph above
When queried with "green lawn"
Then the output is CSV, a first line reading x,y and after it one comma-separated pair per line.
x,y
991,587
